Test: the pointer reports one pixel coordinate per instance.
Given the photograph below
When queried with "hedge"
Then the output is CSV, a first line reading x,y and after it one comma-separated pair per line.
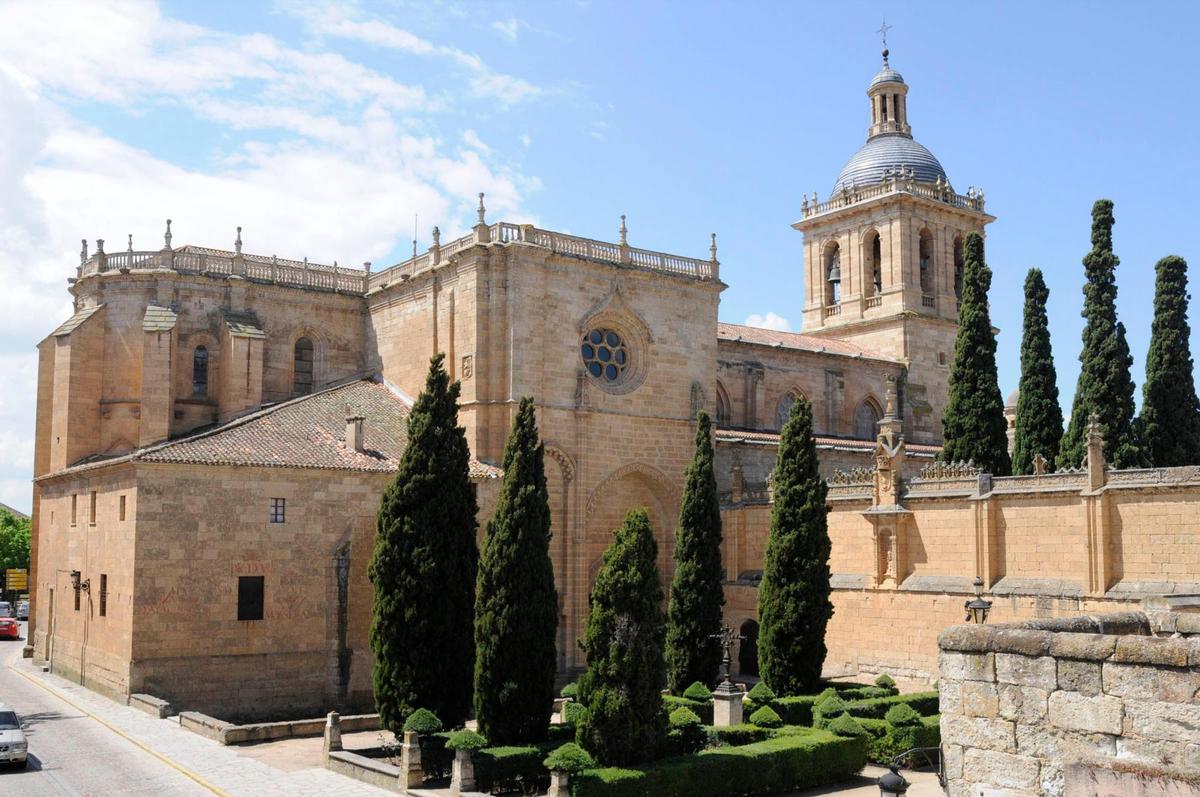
x,y
924,703
736,735
514,768
888,741
703,709
767,767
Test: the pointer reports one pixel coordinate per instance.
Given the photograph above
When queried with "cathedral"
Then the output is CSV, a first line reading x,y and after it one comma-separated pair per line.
x,y
215,427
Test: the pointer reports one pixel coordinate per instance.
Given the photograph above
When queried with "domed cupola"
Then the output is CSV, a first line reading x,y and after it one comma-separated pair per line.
x,y
890,146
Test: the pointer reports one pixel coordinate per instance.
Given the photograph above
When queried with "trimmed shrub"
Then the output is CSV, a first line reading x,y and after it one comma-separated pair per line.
x,y
514,768
561,731
827,692
889,741
761,693
570,758
574,713
765,717
901,715
698,691
687,735
571,690
826,709
768,767
845,725
465,740
683,716
422,721
924,703
736,735
795,710
703,710
886,681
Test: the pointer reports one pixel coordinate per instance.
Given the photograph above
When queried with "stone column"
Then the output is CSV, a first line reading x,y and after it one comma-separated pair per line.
x,y
560,784
462,773
727,706
333,734
411,773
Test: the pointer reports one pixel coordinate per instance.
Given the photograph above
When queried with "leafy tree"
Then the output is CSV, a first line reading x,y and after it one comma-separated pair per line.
x,y
516,606
973,424
1039,424
423,568
1170,419
1105,386
623,642
793,598
697,594
14,541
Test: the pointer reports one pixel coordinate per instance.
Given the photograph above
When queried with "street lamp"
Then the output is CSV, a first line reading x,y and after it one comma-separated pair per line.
x,y
977,607
892,783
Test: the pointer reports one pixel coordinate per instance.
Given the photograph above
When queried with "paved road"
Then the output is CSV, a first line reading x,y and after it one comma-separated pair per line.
x,y
72,754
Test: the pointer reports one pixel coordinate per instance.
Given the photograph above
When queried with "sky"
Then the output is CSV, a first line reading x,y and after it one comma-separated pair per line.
x,y
323,126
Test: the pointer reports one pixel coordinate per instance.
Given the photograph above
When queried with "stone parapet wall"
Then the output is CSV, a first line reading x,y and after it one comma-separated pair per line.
x,y
1058,707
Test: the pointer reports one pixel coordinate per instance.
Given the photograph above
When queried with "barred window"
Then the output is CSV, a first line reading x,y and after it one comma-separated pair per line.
x,y
103,594
278,508
200,371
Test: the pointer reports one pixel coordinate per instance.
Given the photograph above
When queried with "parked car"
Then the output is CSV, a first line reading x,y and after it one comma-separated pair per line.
x,y
6,609
9,628
14,749
22,610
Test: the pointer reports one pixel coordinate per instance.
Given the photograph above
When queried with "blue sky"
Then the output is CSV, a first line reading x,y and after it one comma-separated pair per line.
x,y
322,127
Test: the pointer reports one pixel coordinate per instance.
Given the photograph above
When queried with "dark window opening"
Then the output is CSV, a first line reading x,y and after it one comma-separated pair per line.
x,y
121,508
302,367
250,597
92,509
200,371
103,594
958,268
748,649
278,509
77,591
74,507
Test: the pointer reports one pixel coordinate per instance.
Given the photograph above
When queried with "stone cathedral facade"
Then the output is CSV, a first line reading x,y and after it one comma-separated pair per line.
x,y
215,427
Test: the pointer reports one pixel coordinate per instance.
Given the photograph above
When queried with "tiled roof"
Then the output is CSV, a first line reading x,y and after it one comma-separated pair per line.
x,y
737,333
843,443
243,325
158,319
72,323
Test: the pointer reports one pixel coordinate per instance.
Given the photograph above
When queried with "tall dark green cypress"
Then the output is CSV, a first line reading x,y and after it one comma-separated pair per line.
x,y
1105,386
516,606
423,568
793,598
623,642
973,425
1039,426
697,595
1170,419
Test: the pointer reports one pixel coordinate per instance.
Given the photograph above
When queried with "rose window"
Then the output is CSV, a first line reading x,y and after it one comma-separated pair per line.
x,y
604,355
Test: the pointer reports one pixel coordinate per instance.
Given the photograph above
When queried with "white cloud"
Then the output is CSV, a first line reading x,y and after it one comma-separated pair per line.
x,y
768,321
472,139
508,29
526,140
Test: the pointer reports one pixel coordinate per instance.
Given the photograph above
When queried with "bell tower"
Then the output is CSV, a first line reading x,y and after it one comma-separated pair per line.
x,y
883,254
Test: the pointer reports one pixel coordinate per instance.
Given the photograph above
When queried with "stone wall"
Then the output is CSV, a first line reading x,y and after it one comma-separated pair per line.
x,y
1066,707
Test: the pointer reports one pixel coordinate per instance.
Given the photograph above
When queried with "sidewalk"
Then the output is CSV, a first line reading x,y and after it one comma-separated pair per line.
x,y
222,770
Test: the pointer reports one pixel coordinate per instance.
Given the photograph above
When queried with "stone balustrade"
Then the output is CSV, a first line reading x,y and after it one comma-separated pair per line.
x,y
849,196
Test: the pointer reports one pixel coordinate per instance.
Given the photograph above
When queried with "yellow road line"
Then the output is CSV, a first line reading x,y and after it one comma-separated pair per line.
x,y
182,769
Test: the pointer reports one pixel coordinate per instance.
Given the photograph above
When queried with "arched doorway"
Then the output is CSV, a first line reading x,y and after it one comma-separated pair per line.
x,y
748,649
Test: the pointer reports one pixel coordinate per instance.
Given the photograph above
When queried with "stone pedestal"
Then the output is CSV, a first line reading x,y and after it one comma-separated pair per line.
x,y
727,707
333,734
462,773
411,774
560,784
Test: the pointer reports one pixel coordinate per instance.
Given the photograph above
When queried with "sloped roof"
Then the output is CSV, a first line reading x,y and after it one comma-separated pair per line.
x,y
18,514
738,333
158,318
842,443
73,323
244,325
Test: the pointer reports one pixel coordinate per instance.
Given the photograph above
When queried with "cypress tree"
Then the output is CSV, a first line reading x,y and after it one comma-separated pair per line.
x,y
973,425
623,641
516,606
1105,386
1170,419
1039,426
793,598
697,595
423,568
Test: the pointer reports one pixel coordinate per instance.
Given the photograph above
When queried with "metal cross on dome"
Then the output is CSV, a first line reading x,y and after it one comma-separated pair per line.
x,y
883,29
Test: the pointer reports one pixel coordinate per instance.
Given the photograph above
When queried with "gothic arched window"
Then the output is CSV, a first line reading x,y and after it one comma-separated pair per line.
x,y
875,262
302,367
833,275
200,371
866,417
784,408
724,412
926,262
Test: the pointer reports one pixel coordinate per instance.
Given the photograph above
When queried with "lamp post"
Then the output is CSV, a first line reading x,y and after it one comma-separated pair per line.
x,y
977,608
892,783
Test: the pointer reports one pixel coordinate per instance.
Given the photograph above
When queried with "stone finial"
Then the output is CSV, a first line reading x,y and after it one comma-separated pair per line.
x,y
1039,464
367,266
712,247
83,253
624,231
482,210
804,205
237,245
99,246
333,733
1095,453
167,236
437,237
130,247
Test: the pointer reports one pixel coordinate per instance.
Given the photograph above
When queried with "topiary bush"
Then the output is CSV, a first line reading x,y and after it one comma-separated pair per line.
x,y
574,713
902,715
765,717
703,708
570,758
845,725
466,740
687,735
826,709
682,716
886,681
571,690
761,693
737,735
827,692
924,703
422,722
697,691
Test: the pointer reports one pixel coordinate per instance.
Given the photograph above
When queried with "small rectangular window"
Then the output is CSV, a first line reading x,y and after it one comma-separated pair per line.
x,y
77,591
92,509
103,594
250,597
74,507
278,507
